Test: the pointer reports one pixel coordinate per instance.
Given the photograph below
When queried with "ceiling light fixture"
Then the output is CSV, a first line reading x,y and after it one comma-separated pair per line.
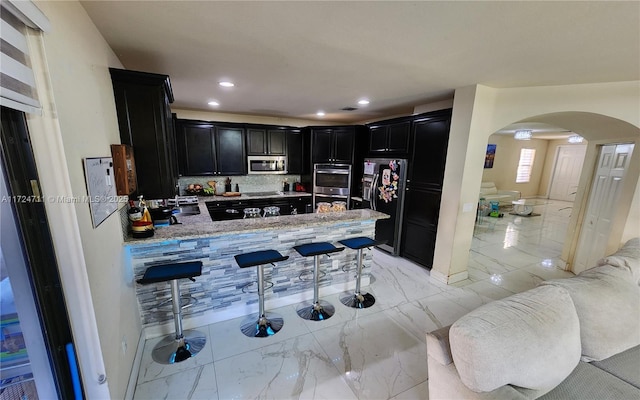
x,y
213,103
522,134
320,114
575,139
363,102
226,84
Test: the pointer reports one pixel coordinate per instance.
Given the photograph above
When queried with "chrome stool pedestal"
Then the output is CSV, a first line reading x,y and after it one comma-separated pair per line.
x,y
358,299
262,324
318,310
183,344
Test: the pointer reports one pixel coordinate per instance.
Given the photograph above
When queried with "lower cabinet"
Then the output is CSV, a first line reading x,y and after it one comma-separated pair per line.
x,y
234,209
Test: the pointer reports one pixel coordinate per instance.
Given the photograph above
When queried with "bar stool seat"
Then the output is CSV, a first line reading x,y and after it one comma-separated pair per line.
x,y
318,310
262,324
358,299
181,345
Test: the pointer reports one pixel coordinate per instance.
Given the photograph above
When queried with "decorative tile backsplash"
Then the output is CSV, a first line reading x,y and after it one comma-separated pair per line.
x,y
246,183
221,283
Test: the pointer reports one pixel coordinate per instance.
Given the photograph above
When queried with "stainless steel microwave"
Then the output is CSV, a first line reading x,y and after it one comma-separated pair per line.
x,y
266,165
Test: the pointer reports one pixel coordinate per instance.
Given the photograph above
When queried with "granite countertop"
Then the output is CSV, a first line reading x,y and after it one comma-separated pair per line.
x,y
199,226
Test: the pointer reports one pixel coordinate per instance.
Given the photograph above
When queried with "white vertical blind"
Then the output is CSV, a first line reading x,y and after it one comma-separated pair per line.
x,y
17,84
525,165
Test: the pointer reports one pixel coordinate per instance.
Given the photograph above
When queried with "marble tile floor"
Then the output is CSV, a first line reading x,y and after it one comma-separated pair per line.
x,y
375,353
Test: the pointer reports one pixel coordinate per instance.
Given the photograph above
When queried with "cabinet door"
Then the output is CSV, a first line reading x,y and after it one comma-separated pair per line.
x,y
256,142
277,142
297,157
378,139
421,211
322,146
230,155
343,146
398,137
196,153
430,140
142,106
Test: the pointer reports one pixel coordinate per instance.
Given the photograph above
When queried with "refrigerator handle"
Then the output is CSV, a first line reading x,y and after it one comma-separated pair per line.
x,y
374,186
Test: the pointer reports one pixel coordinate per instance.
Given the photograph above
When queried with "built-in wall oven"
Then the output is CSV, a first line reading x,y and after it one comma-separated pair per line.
x,y
331,182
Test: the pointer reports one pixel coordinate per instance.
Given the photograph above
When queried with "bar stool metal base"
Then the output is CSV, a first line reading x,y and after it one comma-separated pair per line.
x,y
171,350
316,311
357,300
264,325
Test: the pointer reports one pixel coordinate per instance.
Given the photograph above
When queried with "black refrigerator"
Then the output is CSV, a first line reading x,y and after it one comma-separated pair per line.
x,y
383,187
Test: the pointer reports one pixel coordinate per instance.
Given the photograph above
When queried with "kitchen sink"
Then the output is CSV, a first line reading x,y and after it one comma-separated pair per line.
x,y
187,209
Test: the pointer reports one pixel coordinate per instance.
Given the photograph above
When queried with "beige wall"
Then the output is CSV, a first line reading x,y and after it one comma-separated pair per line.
x,y
506,161
78,59
602,113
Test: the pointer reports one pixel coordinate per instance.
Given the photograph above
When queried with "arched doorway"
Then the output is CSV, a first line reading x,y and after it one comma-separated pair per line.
x,y
605,189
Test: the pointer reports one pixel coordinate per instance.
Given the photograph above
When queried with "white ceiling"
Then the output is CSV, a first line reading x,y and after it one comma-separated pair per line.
x,y
291,59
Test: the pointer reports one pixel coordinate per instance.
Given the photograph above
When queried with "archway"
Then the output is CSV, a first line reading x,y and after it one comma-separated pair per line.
x,y
603,113
599,130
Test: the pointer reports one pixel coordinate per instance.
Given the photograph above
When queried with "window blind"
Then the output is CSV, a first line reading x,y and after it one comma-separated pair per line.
x,y
525,165
17,82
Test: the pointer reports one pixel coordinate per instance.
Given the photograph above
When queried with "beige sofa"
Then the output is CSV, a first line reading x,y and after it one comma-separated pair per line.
x,y
490,192
572,338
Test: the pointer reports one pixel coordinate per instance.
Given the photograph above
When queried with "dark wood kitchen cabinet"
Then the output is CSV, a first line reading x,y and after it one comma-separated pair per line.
x,y
333,145
389,138
230,153
265,141
429,141
196,151
146,124
298,156
206,148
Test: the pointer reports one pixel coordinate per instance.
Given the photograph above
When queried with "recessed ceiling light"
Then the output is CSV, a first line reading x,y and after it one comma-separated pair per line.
x,y
213,103
320,114
226,84
363,102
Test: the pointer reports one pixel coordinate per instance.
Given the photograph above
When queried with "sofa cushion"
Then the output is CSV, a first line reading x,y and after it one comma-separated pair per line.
x,y
625,365
627,258
530,339
609,310
590,382
488,188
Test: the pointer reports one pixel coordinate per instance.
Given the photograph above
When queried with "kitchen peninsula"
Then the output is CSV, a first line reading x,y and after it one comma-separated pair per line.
x,y
225,291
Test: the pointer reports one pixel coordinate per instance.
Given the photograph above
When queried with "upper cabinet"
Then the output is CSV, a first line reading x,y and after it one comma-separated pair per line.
x,y
230,154
265,141
389,137
205,148
335,145
146,124
298,152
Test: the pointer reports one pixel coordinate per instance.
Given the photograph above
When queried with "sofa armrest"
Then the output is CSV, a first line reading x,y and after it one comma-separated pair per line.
x,y
438,345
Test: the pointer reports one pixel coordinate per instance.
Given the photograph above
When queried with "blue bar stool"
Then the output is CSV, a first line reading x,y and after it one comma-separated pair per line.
x,y
357,299
181,345
318,310
262,324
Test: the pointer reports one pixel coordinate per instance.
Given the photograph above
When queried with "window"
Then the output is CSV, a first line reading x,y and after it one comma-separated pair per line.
x,y
525,165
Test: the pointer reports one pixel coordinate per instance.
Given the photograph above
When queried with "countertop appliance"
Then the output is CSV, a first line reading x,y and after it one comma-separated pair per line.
x,y
383,187
266,165
331,182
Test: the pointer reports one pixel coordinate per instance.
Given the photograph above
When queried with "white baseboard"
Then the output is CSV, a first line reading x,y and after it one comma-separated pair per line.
x,y
135,369
448,280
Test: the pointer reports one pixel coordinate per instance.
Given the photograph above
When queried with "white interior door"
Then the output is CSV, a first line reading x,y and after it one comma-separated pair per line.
x,y
605,192
566,174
